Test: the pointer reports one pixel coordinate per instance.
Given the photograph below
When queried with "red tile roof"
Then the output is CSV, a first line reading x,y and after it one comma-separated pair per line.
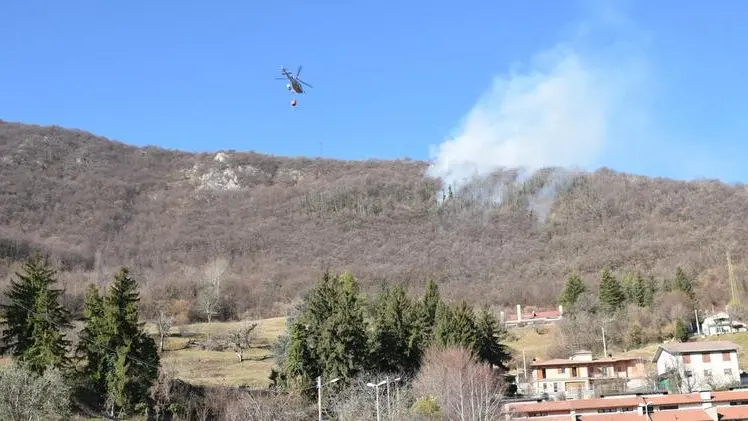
x,y
560,407
681,415
669,415
568,362
728,413
536,315
732,395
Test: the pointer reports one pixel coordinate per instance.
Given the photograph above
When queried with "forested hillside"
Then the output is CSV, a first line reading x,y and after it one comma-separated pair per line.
x,y
279,222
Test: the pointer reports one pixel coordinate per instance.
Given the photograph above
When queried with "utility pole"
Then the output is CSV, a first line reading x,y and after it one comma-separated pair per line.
x,y
319,397
605,347
389,409
524,366
735,297
698,325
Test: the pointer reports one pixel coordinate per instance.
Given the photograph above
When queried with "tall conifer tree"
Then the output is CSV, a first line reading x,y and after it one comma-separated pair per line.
x,y
489,334
611,294
34,318
122,360
573,288
396,340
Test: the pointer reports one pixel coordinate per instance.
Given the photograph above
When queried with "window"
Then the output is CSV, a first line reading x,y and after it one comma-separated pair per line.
x,y
562,370
666,407
542,373
606,410
545,386
689,373
706,358
573,372
686,359
555,387
707,373
728,372
726,356
604,371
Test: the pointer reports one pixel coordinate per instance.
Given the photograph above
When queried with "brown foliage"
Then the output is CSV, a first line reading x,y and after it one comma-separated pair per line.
x,y
98,204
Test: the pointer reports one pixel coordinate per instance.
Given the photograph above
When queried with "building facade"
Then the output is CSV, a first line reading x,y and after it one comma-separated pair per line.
x,y
721,323
532,317
691,366
582,376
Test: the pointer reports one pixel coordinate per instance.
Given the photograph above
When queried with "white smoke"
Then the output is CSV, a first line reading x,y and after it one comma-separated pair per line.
x,y
561,112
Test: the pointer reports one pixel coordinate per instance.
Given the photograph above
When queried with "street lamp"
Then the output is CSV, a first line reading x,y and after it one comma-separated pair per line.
x,y
319,394
389,408
376,388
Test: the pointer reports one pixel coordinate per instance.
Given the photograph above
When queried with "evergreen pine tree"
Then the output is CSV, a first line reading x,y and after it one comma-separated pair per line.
x,y
34,318
443,330
683,283
635,289
122,360
48,346
650,290
300,363
573,288
681,334
611,296
641,296
136,362
93,346
396,338
456,327
342,345
431,300
489,334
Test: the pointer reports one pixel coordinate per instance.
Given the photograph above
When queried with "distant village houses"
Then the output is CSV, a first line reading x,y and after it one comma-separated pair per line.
x,y
531,317
583,377
693,366
721,323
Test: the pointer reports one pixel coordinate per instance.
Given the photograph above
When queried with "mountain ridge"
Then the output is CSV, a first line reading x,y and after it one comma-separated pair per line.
x,y
280,221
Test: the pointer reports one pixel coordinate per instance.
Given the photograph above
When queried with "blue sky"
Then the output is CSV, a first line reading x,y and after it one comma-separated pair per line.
x,y
657,88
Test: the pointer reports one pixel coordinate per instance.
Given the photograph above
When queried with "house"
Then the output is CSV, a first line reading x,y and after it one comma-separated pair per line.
x,y
582,376
690,366
699,406
532,317
720,323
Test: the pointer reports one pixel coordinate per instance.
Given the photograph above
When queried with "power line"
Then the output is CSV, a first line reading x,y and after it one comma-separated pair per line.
x,y
83,338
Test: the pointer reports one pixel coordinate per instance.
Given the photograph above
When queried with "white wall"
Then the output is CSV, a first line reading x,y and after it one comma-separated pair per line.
x,y
700,380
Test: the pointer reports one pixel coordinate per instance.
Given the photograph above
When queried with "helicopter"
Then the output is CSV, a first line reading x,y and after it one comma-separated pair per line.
x,y
294,83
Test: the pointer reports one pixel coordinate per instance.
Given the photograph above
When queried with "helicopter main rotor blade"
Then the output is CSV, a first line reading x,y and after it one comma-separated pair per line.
x,y
305,83
298,72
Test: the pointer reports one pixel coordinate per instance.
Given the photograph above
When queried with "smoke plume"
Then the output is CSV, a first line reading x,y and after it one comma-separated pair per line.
x,y
563,110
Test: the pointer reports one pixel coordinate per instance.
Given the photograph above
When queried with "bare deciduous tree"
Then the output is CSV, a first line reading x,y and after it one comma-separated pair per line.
x,y
682,379
357,401
163,325
465,389
281,407
208,301
241,339
26,396
214,271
